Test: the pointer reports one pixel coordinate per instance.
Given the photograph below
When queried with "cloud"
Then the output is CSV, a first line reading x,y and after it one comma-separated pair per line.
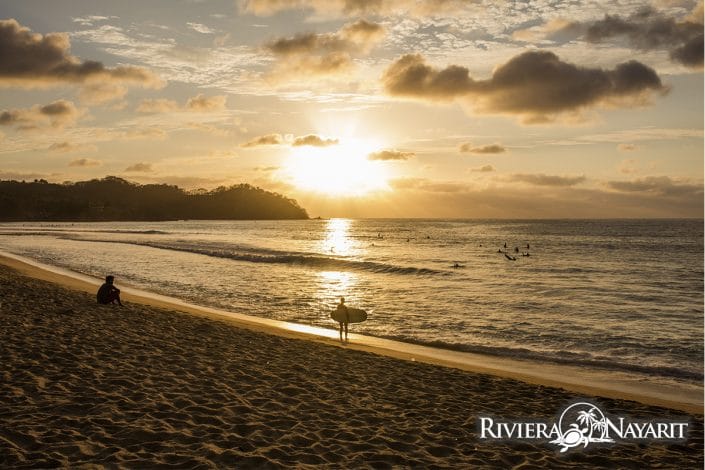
x,y
690,53
356,7
203,104
85,162
647,29
423,184
628,167
102,93
535,85
385,155
324,53
266,169
140,167
557,29
89,20
626,147
547,180
30,60
199,103
419,197
57,115
269,139
313,140
659,186
150,133
483,169
484,149
159,105
200,28
68,147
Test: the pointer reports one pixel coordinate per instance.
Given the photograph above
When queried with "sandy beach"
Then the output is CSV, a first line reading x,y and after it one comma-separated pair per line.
x,y
150,387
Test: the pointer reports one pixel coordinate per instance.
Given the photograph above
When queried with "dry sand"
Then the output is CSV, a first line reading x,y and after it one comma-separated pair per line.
x,y
146,387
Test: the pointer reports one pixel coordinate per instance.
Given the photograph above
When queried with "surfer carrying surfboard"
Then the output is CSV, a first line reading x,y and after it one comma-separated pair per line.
x,y
345,315
343,318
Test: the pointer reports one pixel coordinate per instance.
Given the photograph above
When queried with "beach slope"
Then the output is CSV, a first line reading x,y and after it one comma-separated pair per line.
x,y
143,386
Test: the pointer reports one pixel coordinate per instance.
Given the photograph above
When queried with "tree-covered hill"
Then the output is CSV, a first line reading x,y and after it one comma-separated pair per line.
x,y
113,198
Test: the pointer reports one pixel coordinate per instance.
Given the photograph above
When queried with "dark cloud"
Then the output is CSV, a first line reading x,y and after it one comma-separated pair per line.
x,y
483,169
690,53
536,85
658,185
269,139
390,155
355,37
626,147
29,59
84,162
648,29
313,140
484,149
140,167
57,114
325,53
547,180
410,76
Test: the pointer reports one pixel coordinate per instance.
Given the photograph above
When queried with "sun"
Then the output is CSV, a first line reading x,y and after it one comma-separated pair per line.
x,y
338,170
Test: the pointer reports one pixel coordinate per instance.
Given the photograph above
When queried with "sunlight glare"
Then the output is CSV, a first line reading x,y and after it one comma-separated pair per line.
x,y
341,170
337,241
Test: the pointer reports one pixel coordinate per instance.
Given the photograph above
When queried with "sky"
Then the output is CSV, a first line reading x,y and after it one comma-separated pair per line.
x,y
366,108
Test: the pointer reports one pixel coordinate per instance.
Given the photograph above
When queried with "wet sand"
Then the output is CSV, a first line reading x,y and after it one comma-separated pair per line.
x,y
146,386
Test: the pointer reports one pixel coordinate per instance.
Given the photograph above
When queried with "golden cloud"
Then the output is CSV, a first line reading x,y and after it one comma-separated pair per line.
x,y
269,139
386,155
483,149
313,140
57,115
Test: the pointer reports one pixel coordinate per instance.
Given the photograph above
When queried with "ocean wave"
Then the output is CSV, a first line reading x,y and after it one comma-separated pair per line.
x,y
273,257
68,231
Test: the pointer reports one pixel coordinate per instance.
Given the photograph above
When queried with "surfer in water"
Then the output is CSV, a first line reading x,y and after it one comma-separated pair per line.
x,y
341,307
108,293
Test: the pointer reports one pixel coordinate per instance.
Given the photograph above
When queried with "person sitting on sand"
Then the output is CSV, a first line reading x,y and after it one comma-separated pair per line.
x,y
341,307
108,293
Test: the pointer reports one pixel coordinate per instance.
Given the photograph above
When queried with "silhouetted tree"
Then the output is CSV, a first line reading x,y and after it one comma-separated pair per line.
x,y
113,198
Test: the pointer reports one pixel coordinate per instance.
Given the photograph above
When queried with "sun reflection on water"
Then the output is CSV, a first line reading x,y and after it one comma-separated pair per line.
x,y
337,241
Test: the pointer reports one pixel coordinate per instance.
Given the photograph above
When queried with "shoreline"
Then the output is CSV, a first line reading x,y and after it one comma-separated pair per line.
x,y
578,380
146,386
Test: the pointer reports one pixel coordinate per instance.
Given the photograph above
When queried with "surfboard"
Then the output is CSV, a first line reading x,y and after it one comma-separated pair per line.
x,y
354,315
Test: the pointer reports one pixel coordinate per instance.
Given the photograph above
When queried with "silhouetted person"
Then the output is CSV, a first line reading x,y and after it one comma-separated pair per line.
x,y
341,307
516,249
108,293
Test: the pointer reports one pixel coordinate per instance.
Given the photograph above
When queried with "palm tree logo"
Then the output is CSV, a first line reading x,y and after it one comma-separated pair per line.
x,y
589,425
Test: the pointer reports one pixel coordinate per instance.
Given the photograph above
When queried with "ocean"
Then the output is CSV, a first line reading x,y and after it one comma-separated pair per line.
x,y
618,295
